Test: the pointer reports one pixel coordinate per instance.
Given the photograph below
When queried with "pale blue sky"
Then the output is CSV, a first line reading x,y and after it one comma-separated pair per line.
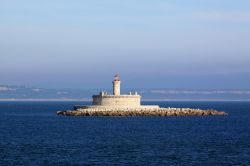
x,y
152,44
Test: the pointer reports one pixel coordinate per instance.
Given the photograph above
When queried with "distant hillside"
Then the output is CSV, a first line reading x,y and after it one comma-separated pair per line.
x,y
23,93
189,94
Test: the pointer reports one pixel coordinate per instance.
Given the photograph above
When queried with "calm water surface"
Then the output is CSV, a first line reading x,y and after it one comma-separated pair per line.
x,y
32,134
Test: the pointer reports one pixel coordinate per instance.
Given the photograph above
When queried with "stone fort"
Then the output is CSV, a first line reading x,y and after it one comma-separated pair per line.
x,y
116,99
104,100
116,104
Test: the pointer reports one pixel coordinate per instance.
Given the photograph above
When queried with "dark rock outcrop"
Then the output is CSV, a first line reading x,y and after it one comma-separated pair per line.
x,y
143,112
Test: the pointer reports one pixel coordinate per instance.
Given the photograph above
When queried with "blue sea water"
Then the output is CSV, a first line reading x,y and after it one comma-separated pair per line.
x,y
32,134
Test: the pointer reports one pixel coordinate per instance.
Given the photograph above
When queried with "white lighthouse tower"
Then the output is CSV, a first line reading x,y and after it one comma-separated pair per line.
x,y
116,85
117,99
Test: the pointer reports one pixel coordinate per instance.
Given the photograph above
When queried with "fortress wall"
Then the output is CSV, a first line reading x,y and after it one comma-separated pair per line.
x,y
122,100
132,101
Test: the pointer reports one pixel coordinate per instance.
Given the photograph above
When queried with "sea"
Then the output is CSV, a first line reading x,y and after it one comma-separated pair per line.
x,y
32,134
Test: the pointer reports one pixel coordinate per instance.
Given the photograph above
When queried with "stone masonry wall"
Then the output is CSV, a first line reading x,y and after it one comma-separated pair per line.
x,y
122,100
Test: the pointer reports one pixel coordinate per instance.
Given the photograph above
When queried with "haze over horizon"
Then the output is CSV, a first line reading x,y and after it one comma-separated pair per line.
x,y
151,44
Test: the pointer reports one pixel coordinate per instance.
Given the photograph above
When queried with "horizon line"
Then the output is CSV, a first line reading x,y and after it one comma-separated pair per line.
x,y
89,100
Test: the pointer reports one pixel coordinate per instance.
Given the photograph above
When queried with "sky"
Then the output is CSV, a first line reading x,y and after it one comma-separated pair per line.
x,y
195,44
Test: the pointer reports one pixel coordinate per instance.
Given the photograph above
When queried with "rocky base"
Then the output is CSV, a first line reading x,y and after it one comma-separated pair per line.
x,y
141,112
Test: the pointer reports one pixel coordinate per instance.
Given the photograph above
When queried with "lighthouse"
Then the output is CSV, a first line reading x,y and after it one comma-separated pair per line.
x,y
116,99
116,85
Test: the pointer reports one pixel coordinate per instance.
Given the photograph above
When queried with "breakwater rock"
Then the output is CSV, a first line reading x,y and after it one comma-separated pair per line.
x,y
140,112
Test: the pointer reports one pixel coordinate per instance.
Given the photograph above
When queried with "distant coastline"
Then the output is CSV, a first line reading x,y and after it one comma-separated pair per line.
x,y
45,100
23,93
143,100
